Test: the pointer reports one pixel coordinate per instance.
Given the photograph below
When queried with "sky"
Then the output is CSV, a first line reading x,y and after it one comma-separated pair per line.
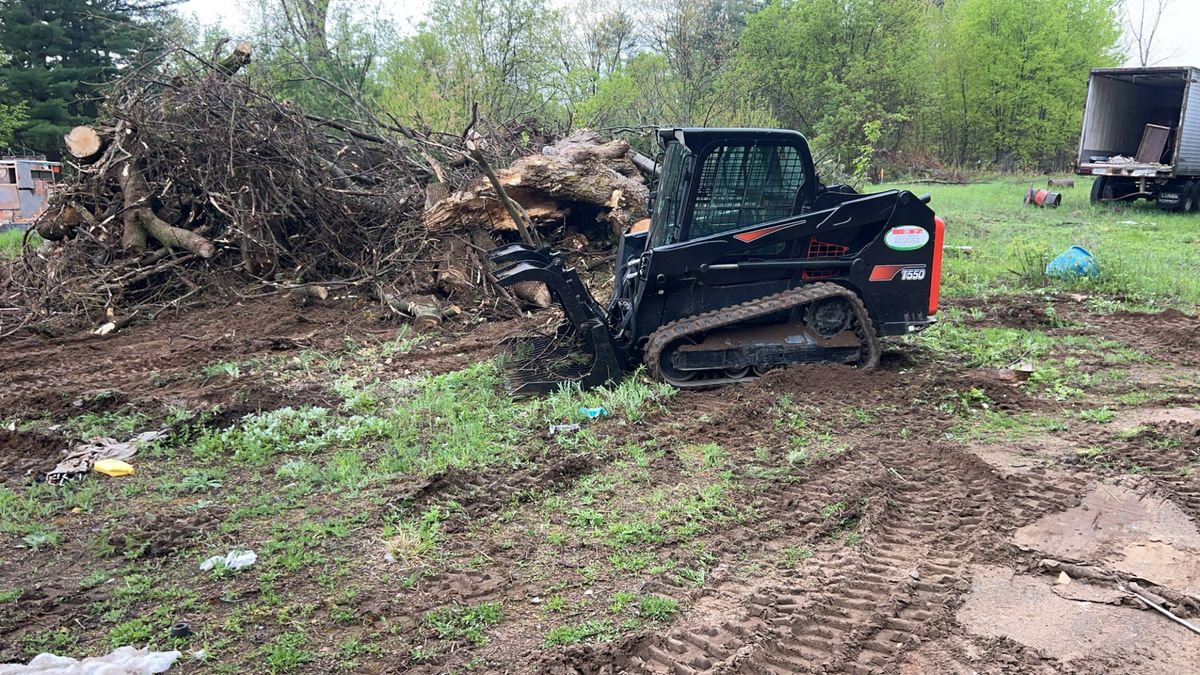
x,y
1175,43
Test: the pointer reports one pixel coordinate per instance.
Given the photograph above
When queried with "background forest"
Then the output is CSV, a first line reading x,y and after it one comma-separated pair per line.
x,y
878,85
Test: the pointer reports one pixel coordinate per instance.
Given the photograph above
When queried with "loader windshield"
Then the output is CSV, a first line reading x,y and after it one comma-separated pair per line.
x,y
665,219
745,184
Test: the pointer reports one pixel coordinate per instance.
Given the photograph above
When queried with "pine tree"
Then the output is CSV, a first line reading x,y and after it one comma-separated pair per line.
x,y
59,52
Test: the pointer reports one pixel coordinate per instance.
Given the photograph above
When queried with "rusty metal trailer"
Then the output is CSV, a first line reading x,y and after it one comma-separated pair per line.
x,y
25,186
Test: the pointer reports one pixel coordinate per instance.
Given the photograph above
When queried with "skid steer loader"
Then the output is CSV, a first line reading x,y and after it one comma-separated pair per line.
x,y
748,263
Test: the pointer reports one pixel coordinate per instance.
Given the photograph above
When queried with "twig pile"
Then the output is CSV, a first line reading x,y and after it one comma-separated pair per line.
x,y
197,182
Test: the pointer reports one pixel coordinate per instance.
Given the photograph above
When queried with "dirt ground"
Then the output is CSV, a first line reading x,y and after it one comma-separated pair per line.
x,y
932,516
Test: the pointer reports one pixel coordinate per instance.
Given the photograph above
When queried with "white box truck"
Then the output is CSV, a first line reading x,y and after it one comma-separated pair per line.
x,y
1141,136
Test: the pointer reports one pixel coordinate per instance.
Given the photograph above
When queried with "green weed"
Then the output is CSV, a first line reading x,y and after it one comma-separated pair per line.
x,y
621,600
597,629
794,555
286,653
467,622
1097,415
658,608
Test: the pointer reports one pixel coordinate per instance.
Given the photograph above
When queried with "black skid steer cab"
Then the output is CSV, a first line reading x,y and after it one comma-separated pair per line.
x,y
748,263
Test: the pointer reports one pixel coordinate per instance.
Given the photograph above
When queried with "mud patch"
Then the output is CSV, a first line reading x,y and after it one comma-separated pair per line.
x,y
1133,532
26,455
157,535
1169,335
477,494
1014,311
1136,417
1026,609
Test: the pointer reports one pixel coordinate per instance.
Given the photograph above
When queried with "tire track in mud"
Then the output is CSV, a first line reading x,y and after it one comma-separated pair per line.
x,y
1169,455
926,512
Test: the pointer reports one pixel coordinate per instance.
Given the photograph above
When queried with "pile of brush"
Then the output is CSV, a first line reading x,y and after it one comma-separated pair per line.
x,y
198,183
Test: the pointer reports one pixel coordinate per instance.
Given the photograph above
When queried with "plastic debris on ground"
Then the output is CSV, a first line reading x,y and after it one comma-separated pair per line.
x,y
112,467
85,455
122,661
593,413
563,428
234,560
1073,263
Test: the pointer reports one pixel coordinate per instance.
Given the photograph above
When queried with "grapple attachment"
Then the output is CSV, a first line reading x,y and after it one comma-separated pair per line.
x,y
581,349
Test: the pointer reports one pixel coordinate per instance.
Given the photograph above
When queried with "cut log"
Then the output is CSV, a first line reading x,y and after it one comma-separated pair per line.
x,y
425,314
644,164
235,60
85,144
534,293
579,170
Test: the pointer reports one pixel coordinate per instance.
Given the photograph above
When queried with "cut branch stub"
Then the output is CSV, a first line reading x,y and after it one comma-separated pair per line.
x,y
239,57
85,143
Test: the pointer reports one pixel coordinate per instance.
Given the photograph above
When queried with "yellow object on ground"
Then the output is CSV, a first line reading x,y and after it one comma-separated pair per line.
x,y
112,467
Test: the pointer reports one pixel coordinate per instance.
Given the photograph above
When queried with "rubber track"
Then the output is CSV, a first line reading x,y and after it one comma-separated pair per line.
x,y
735,314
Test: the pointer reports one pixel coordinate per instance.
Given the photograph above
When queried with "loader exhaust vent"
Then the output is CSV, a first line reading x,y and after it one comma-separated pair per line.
x,y
818,250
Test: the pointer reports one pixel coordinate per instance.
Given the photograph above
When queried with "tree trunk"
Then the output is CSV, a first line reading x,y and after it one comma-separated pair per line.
x,y
140,219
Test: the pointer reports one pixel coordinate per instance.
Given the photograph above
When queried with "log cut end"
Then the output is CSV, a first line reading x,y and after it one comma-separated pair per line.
x,y
84,143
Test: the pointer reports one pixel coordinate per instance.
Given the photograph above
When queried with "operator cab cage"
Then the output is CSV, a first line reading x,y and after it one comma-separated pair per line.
x,y
746,176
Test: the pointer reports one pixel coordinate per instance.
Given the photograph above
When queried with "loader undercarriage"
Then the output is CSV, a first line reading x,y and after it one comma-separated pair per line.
x,y
728,345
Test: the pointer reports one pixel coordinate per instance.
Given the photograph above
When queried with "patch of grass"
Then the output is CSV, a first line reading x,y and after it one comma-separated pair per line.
x,y
230,369
984,347
10,242
794,555
116,423
40,539
631,562
711,455
658,608
831,510
10,596
1052,382
597,629
197,481
1092,454
1097,415
460,622
992,424
56,641
632,399
262,436
621,601
286,653
1011,243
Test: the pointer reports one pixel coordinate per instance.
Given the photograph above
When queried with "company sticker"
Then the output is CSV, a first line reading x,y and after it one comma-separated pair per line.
x,y
906,238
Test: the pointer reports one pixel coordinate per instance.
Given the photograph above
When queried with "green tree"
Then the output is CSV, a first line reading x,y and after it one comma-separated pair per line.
x,y
679,72
835,69
59,53
1011,76
315,51
12,114
499,53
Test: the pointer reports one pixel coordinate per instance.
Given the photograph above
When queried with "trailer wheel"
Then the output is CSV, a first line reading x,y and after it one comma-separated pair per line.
x,y
1102,190
1191,197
